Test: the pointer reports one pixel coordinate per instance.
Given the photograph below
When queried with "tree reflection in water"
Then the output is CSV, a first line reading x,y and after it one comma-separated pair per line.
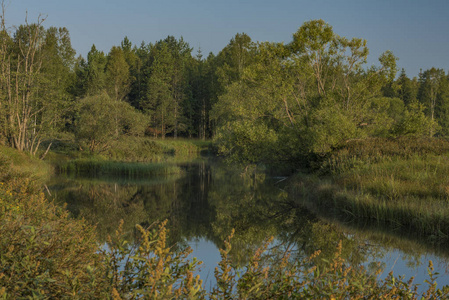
x,y
208,199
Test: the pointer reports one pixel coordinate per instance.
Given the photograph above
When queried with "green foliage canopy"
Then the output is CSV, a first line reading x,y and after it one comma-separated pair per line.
x,y
101,120
305,97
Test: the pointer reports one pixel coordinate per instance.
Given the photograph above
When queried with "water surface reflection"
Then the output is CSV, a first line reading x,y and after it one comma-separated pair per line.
x,y
207,199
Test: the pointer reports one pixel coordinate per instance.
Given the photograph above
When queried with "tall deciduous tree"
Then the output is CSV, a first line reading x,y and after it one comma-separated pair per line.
x,y
432,93
308,96
233,59
20,66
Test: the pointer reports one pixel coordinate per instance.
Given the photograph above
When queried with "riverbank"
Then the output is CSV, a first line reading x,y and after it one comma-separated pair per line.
x,y
55,256
398,183
131,157
132,149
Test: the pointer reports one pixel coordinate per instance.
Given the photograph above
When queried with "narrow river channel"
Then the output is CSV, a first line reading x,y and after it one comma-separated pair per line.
x,y
204,200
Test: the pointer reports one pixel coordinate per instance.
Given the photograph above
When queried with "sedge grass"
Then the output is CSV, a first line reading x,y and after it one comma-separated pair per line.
x,y
95,167
401,184
132,149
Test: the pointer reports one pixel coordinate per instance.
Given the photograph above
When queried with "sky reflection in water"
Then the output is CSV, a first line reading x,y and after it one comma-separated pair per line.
x,y
206,200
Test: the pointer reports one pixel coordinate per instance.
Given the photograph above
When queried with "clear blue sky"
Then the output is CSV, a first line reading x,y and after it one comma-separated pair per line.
x,y
416,31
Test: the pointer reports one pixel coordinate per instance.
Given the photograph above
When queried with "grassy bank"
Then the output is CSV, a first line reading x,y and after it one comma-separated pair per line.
x,y
400,183
132,149
13,162
130,157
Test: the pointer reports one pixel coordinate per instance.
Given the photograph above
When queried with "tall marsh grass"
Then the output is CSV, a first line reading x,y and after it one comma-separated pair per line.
x,y
402,183
134,149
94,167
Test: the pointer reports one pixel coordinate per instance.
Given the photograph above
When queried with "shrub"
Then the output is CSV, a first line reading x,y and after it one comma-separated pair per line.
x,y
150,269
43,253
271,275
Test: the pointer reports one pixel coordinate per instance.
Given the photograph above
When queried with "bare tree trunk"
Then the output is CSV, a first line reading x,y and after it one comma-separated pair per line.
x,y
20,83
46,151
162,125
203,121
175,134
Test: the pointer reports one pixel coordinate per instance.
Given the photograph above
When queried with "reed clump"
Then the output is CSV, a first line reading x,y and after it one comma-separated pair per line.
x,y
97,167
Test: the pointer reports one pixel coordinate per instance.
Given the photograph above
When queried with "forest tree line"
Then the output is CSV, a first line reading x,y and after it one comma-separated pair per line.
x,y
260,101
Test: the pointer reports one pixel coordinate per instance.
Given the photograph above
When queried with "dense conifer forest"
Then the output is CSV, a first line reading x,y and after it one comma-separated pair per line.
x,y
259,101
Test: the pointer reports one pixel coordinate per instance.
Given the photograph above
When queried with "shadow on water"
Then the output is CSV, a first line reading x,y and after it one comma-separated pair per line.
x,y
207,199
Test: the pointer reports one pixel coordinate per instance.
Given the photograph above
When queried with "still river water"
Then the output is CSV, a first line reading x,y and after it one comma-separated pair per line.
x,y
206,200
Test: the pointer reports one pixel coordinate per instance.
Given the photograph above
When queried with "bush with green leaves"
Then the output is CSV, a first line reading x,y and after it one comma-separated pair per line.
x,y
101,121
415,123
43,252
244,141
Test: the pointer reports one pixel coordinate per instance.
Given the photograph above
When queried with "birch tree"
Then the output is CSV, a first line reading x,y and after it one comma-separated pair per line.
x,y
20,68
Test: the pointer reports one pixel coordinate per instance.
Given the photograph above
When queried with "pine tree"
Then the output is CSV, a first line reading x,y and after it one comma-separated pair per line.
x,y
406,90
117,74
96,77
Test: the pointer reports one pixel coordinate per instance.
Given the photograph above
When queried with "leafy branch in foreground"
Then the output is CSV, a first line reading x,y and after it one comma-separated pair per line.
x,y
150,269
271,275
